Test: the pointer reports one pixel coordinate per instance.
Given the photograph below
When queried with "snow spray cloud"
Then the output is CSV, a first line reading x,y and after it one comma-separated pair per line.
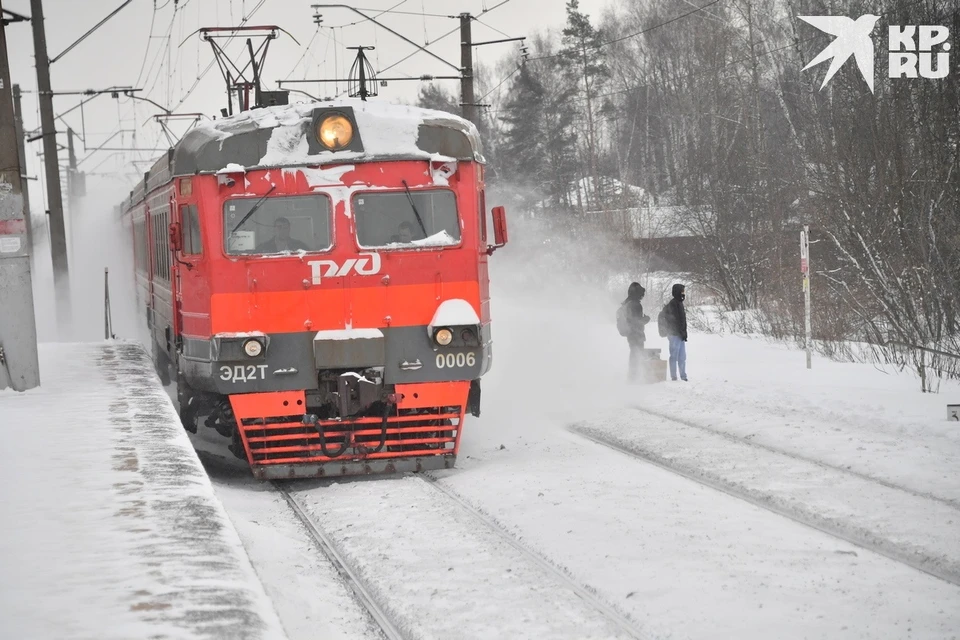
x,y
554,292
557,260
96,240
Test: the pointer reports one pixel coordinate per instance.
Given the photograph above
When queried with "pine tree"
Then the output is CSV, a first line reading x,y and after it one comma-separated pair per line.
x,y
584,63
538,150
433,96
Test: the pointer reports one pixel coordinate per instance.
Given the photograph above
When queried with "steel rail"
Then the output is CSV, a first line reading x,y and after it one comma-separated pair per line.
x,y
328,549
904,557
588,595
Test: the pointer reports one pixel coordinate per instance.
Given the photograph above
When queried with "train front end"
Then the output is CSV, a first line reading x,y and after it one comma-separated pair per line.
x,y
342,323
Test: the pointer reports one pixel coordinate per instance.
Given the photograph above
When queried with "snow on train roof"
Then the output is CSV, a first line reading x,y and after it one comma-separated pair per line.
x,y
278,136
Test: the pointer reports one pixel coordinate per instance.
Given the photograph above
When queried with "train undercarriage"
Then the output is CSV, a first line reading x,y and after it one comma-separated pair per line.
x,y
351,424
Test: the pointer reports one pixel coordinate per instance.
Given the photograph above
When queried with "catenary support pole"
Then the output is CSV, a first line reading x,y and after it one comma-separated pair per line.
x,y
24,184
19,364
58,239
73,191
467,98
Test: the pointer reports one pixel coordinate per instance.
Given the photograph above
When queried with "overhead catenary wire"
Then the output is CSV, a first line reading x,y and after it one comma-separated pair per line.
x,y
445,35
500,84
200,77
167,68
492,28
306,50
163,57
146,51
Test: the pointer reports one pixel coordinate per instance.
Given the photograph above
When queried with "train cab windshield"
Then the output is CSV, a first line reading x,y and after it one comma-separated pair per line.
x,y
406,219
276,225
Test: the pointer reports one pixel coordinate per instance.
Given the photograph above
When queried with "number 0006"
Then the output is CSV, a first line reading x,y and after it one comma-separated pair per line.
x,y
452,360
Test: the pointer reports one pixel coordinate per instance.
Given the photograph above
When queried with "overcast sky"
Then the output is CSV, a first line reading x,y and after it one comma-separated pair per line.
x,y
124,53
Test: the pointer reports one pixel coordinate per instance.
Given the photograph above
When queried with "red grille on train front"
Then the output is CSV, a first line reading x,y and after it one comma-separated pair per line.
x,y
271,439
287,441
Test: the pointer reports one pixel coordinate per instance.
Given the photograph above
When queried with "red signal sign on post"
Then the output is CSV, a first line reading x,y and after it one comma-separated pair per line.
x,y
803,265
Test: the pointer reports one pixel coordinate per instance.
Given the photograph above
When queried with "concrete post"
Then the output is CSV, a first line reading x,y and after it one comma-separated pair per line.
x,y
24,185
19,364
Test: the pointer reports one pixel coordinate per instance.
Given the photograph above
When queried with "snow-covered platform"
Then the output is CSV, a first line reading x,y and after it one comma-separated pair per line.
x,y
110,527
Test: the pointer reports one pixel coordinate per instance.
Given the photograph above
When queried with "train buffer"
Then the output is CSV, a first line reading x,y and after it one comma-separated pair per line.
x,y
110,526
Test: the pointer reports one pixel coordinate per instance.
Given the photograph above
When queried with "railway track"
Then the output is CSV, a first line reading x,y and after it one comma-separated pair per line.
x,y
363,595
829,527
585,593
378,611
955,504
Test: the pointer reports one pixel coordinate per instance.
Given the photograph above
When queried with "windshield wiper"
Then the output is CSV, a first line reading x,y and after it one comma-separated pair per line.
x,y
253,209
414,207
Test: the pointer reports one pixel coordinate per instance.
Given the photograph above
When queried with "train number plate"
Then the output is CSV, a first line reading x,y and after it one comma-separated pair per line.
x,y
243,373
456,360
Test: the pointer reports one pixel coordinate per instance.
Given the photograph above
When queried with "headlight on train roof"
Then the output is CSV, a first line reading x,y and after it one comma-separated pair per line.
x,y
252,348
443,337
335,132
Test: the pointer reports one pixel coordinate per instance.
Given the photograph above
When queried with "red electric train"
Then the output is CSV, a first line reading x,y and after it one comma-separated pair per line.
x,y
314,279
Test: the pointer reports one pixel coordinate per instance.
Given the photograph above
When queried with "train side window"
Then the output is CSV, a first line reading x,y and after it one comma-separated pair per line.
x,y
190,221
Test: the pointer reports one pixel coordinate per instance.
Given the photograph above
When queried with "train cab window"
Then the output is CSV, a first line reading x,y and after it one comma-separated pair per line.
x,y
276,225
190,223
396,220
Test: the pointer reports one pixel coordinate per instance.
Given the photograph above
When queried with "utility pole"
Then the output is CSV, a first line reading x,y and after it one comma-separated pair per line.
x,y
73,188
19,363
71,170
468,100
21,149
58,240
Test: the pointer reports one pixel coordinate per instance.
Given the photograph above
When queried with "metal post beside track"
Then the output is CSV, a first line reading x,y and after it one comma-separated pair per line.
x,y
805,270
107,316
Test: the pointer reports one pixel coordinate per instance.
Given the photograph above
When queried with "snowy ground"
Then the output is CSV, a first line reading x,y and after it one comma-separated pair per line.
x,y
676,557
110,526
691,558
767,501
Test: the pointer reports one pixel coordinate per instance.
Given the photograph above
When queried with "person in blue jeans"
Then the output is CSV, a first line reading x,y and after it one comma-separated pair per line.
x,y
676,317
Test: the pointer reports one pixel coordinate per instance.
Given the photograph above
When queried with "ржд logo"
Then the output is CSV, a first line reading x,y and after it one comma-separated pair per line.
x,y
334,270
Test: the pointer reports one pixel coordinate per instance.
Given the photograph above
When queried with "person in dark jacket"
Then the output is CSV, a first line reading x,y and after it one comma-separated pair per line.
x,y
636,325
676,317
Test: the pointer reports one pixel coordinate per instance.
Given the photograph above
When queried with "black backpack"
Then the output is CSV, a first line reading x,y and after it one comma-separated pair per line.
x,y
623,325
663,323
